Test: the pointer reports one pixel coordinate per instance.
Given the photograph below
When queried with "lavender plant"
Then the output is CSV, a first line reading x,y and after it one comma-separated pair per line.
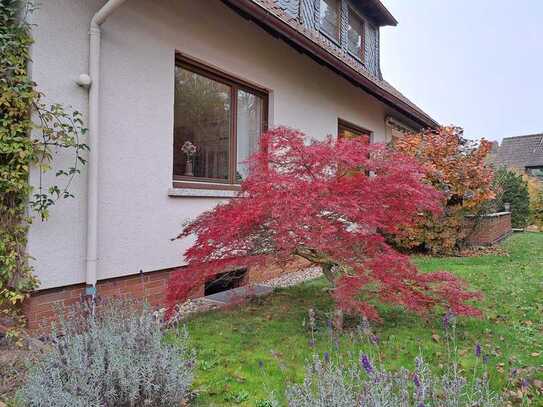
x,y
356,381
113,357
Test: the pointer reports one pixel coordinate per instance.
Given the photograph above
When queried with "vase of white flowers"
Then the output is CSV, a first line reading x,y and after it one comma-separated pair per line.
x,y
189,150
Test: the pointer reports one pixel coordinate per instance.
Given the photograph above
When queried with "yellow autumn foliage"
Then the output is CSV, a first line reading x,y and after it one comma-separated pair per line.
x,y
535,190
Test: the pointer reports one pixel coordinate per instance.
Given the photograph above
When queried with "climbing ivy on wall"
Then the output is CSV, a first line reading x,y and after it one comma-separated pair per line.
x,y
32,134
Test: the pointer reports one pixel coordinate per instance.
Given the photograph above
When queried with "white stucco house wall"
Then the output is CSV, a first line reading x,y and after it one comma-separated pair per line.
x,y
311,65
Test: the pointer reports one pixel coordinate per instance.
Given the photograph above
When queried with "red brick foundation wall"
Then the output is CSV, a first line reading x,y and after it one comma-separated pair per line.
x,y
42,306
488,229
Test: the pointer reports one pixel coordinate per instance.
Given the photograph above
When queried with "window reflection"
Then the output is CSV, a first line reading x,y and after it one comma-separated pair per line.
x,y
202,119
249,126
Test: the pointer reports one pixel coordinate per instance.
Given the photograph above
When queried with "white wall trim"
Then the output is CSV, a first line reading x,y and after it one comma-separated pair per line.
x,y
192,192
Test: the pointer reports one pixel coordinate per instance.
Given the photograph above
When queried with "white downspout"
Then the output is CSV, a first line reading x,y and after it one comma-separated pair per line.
x,y
94,134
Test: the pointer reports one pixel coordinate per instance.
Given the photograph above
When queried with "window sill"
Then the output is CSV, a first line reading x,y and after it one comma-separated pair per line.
x,y
357,58
180,192
331,38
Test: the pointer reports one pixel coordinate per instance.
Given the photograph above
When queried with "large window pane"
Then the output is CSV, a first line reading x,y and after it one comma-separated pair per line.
x,y
202,118
249,126
329,17
355,34
350,131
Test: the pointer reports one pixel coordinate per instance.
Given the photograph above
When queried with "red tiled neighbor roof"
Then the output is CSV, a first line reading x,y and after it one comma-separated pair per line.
x,y
271,16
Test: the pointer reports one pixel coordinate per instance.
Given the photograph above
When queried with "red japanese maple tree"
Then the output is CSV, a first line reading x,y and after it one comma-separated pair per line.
x,y
328,202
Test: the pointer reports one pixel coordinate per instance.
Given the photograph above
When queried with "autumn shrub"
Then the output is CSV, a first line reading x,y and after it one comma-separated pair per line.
x,y
535,191
331,203
457,167
511,188
116,357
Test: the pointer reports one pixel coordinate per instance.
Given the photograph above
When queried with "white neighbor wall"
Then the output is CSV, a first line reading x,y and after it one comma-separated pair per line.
x,y
137,217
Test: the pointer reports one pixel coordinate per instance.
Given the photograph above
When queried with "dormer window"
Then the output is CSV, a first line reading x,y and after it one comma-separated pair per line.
x,y
330,12
355,35
535,172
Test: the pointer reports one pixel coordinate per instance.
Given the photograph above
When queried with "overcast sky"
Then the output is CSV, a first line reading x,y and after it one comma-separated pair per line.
x,y
473,63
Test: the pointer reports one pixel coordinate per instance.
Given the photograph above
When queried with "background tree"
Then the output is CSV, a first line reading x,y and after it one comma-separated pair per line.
x,y
319,202
456,166
512,188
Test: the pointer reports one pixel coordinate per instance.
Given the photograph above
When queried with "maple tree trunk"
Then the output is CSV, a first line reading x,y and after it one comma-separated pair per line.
x,y
330,271
327,270
338,319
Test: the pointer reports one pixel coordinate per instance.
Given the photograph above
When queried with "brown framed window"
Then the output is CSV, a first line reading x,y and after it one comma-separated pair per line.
x,y
355,35
218,121
330,14
348,131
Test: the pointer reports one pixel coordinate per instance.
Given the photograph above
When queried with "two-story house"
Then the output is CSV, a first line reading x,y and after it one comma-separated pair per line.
x,y
153,75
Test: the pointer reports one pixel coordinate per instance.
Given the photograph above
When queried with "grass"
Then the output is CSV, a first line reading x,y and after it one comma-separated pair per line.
x,y
231,344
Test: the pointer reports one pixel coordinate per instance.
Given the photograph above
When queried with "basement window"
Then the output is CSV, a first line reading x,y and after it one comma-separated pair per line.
x,y
225,281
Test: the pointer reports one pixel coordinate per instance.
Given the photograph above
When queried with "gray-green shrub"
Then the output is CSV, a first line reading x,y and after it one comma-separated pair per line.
x,y
333,384
117,357
333,380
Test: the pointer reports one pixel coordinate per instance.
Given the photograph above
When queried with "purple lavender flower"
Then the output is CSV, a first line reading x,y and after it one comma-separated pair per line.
x,y
486,358
366,363
447,319
374,339
416,380
260,364
365,325
421,405
525,384
478,350
326,357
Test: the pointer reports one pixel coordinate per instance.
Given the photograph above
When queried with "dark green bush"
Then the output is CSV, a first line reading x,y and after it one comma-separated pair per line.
x,y
511,188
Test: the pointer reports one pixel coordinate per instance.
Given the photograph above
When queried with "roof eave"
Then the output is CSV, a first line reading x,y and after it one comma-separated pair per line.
x,y
272,22
383,15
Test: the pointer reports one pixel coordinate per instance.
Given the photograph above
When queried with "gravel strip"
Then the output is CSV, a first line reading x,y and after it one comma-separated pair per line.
x,y
290,279
203,304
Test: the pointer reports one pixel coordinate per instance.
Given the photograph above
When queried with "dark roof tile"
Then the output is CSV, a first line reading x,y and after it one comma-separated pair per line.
x,y
272,7
520,152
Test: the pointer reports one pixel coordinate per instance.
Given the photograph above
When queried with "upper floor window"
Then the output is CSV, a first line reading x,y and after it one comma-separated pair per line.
x,y
217,124
330,14
355,35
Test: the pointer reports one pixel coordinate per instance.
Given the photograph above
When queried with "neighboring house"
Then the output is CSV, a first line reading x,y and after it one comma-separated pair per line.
x,y
523,152
214,73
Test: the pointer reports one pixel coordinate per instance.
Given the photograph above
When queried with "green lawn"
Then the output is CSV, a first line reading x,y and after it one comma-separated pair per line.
x,y
230,344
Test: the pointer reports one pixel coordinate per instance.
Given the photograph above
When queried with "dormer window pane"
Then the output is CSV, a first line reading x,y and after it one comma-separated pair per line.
x,y
535,172
329,17
355,35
